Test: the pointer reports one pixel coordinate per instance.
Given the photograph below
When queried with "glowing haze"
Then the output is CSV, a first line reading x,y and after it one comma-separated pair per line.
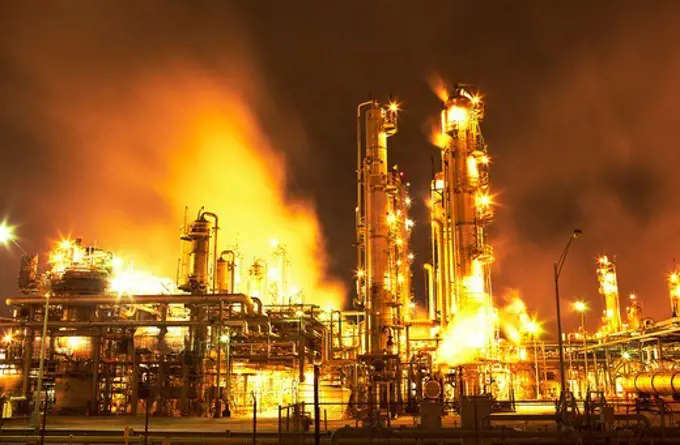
x,y
134,142
191,140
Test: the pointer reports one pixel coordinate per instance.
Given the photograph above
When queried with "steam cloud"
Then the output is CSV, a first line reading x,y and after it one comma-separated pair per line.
x,y
131,142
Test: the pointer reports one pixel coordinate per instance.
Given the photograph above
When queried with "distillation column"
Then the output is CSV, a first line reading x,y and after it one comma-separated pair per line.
x,y
674,293
461,209
609,289
374,217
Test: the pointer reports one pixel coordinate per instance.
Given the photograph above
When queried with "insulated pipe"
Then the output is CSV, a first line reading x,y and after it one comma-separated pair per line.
x,y
253,305
443,282
664,383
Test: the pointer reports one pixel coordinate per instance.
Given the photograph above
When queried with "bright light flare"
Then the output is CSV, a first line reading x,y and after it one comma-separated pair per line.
x,y
6,233
393,107
8,338
457,114
532,327
484,200
580,306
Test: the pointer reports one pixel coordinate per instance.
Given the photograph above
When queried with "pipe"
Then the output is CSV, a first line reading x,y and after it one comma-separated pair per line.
x,y
360,201
657,383
628,339
253,305
215,217
429,275
443,282
128,324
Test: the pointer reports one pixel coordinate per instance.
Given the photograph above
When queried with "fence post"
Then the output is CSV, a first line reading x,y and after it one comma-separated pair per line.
x,y
317,408
254,419
146,422
279,439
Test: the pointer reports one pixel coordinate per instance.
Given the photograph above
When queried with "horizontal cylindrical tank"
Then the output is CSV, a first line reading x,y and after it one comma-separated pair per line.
x,y
658,383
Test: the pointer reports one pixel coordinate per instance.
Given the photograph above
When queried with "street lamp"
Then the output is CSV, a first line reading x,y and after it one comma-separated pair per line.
x,y
7,236
581,307
557,270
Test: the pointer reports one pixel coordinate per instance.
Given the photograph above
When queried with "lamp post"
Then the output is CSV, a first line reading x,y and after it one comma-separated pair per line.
x,y
581,307
557,270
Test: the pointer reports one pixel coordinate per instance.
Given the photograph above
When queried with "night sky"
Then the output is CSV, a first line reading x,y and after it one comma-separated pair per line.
x,y
581,117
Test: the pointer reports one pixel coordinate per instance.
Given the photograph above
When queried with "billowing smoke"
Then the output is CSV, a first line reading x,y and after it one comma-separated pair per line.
x,y
119,146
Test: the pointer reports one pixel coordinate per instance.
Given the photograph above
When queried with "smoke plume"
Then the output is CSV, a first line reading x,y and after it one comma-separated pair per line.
x,y
120,145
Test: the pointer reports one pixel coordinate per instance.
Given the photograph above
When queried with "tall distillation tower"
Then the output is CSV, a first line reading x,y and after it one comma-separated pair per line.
x,y
609,289
461,209
383,229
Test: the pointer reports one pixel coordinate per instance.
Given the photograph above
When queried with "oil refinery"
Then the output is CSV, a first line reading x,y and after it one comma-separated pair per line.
x,y
231,335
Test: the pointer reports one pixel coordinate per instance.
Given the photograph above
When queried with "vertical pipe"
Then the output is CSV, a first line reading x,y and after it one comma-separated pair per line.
x,y
429,279
585,352
29,339
597,377
132,353
538,378
41,366
96,352
254,418
278,440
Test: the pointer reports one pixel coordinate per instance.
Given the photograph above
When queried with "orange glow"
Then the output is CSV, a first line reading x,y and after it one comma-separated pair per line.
x,y
580,306
439,139
202,135
127,282
457,114
466,338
